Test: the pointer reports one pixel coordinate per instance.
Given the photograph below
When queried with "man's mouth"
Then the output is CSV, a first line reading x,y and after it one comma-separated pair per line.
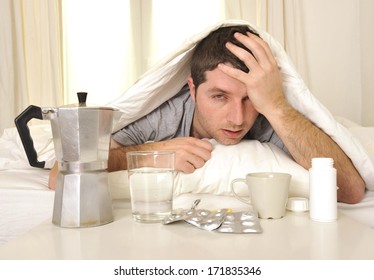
x,y
232,133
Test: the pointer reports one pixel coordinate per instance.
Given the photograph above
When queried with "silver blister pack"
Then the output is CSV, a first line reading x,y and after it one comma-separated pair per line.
x,y
241,222
175,216
222,220
205,219
201,218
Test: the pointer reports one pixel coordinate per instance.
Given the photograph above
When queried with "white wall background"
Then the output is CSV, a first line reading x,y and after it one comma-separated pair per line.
x,y
339,43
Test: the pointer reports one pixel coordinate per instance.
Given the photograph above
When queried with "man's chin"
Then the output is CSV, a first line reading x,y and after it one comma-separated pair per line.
x,y
228,141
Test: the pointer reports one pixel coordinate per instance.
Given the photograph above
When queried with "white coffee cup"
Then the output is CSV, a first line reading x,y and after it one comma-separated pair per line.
x,y
268,193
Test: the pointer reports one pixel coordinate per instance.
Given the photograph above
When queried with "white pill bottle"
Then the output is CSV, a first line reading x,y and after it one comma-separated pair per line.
x,y
323,205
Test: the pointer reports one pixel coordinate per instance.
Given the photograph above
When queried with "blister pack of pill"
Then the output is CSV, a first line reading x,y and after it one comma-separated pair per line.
x,y
241,222
205,219
222,220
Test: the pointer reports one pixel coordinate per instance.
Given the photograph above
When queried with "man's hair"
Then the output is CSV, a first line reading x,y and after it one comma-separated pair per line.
x,y
212,51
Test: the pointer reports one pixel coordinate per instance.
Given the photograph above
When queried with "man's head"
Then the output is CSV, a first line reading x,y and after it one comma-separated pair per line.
x,y
212,51
223,110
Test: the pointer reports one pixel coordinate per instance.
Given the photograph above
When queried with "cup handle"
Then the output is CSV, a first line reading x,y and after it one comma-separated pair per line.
x,y
233,189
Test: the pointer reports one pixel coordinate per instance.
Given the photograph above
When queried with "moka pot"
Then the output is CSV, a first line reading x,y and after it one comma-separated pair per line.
x,y
81,137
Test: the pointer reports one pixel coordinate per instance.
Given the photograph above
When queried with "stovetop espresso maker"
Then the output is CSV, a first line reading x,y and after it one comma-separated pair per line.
x,y
81,137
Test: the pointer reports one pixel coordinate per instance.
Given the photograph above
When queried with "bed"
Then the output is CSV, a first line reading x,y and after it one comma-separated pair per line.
x,y
26,201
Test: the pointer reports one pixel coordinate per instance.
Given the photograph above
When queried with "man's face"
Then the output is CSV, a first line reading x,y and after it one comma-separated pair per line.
x,y
223,110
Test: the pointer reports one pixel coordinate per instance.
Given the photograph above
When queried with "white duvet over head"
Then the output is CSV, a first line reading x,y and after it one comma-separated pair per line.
x,y
165,80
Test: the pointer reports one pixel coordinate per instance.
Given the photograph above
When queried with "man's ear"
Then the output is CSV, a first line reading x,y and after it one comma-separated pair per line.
x,y
192,87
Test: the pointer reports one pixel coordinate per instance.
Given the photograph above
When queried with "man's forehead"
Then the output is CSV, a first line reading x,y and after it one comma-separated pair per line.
x,y
217,81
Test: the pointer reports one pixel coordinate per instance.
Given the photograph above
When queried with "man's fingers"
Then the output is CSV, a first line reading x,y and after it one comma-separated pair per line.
x,y
193,155
188,163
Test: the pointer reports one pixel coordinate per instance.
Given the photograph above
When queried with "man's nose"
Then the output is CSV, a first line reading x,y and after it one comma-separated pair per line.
x,y
236,114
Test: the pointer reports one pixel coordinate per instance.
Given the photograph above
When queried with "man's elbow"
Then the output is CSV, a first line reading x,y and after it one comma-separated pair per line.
x,y
355,194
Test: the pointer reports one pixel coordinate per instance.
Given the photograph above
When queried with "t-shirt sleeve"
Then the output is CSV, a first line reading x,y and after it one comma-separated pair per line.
x,y
136,133
172,119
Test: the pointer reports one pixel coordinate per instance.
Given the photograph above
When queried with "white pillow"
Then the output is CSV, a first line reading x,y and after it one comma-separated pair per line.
x,y
226,164
366,136
235,161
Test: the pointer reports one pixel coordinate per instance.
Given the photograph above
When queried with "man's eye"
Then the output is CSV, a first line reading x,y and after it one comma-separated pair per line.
x,y
219,96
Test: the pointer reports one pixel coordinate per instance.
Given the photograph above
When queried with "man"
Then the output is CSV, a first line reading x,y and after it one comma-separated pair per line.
x,y
234,93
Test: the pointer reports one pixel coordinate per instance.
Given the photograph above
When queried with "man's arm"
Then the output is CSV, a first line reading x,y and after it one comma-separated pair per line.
x,y
301,137
191,153
305,141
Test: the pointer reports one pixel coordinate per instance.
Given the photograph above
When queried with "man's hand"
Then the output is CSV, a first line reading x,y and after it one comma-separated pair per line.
x,y
263,81
53,177
191,153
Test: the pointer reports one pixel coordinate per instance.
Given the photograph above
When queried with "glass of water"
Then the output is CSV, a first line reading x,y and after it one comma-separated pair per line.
x,y
151,182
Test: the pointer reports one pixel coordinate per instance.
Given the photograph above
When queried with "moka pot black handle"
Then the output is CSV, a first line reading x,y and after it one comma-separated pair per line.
x,y
31,112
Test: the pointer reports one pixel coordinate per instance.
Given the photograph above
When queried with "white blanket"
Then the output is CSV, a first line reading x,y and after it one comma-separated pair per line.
x,y
165,80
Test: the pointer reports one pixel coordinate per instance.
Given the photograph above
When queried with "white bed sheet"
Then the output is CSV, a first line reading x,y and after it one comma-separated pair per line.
x,y
363,211
26,201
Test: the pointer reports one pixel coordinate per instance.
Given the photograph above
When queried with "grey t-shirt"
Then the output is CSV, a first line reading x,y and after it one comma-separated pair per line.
x,y
174,119
170,120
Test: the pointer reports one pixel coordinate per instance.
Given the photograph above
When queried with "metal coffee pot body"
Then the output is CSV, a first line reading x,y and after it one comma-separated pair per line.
x,y
81,137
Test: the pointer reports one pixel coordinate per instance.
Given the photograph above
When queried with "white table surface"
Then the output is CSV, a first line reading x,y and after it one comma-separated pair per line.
x,y
293,237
